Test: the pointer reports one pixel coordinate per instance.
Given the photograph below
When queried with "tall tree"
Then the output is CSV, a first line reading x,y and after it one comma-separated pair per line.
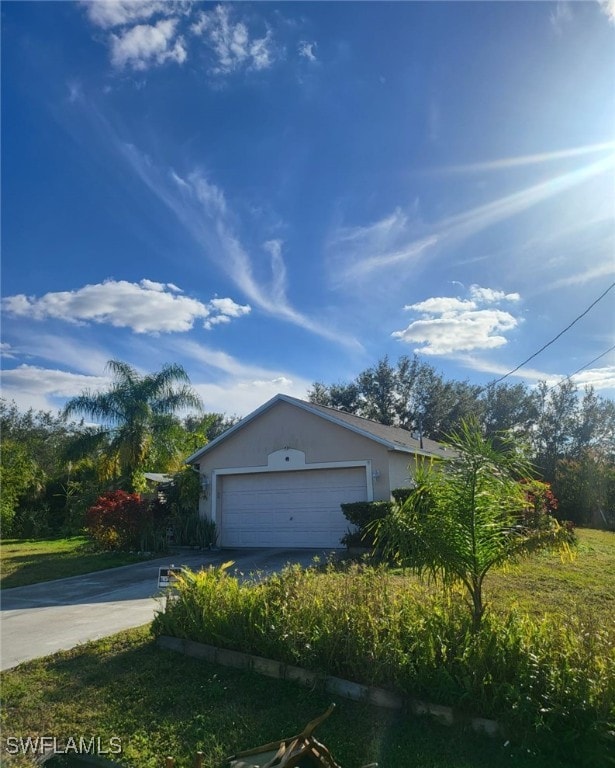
x,y
133,414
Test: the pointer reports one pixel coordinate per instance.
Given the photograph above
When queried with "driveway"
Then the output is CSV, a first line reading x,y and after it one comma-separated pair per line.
x,y
57,615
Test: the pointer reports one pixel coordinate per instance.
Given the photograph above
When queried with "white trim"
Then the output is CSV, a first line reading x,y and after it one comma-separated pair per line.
x,y
367,465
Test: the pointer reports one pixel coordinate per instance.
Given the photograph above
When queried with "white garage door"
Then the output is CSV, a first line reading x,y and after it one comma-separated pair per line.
x,y
288,509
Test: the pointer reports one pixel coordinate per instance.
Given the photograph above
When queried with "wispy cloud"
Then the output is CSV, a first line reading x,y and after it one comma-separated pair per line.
x,y
598,378
145,45
233,45
354,253
107,14
31,386
307,50
6,350
145,307
608,8
561,16
232,381
587,275
451,325
202,209
602,378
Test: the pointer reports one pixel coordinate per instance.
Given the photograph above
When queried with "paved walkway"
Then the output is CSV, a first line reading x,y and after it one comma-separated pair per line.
x,y
57,615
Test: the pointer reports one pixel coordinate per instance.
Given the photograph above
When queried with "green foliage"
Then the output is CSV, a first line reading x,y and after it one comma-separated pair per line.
x,y
558,423
34,471
552,679
136,414
362,514
400,495
467,516
18,473
586,487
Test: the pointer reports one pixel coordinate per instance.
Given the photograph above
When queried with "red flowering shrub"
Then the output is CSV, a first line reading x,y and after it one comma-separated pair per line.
x,y
118,520
541,503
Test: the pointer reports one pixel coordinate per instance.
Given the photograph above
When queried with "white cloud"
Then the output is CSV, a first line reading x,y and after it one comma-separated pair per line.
x,y
145,307
608,7
41,388
114,13
6,350
233,46
228,307
441,305
307,49
144,45
490,296
236,387
356,252
451,325
598,378
587,275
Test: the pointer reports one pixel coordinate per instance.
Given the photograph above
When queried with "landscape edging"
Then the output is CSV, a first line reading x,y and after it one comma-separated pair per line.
x,y
379,697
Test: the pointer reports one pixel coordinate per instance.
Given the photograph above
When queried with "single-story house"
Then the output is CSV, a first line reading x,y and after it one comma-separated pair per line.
x,y
277,477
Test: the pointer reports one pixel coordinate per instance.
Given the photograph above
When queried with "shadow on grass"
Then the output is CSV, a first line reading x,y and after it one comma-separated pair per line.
x,y
161,703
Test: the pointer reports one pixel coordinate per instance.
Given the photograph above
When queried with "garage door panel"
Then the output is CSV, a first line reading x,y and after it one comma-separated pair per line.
x,y
288,509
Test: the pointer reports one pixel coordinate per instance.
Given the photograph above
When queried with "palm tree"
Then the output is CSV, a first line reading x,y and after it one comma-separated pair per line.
x,y
134,413
468,516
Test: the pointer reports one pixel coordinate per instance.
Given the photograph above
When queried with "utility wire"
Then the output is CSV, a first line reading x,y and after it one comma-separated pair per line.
x,y
582,368
555,338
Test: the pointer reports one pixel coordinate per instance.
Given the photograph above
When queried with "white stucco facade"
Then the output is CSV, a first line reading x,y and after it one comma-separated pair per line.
x,y
277,478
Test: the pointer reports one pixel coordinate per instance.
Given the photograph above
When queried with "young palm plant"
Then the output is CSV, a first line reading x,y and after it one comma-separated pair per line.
x,y
134,415
466,516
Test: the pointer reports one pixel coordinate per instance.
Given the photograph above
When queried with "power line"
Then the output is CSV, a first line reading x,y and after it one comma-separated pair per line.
x,y
555,338
582,368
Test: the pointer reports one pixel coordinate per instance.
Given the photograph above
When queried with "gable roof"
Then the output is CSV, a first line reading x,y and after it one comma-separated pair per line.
x,y
394,438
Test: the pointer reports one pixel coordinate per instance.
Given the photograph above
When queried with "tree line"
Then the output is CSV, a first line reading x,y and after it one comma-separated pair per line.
x,y
53,467
569,434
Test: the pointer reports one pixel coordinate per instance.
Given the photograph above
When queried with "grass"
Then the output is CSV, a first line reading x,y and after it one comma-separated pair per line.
x,y
547,584
547,673
29,561
160,703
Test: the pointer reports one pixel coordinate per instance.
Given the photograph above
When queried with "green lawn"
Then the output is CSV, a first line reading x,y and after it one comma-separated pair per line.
x,y
546,583
161,703
28,561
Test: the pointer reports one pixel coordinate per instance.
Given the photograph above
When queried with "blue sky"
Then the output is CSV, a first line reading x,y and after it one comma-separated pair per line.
x,y
277,193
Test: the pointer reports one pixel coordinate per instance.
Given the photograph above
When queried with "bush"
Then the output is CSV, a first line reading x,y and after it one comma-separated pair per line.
x,y
361,514
401,494
547,680
120,520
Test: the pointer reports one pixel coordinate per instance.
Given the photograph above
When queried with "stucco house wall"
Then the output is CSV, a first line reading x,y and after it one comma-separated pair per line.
x,y
280,476
286,426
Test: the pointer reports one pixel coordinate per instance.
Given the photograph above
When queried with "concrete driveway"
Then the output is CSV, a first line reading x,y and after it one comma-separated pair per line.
x,y
57,615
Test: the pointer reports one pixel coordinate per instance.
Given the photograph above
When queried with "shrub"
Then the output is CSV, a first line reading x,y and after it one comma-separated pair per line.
x,y
401,494
119,520
361,514
548,681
